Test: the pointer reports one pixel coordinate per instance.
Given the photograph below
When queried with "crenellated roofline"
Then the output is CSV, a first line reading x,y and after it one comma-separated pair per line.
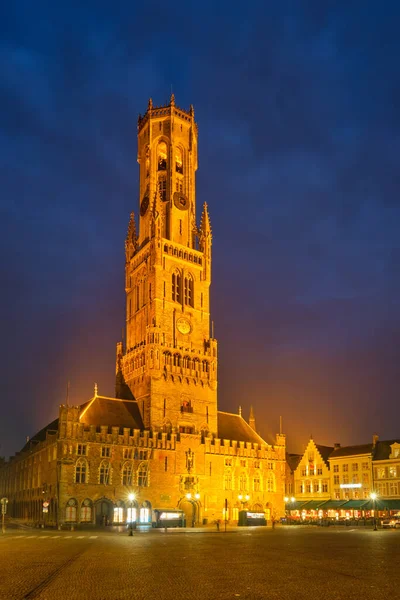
x,y
166,110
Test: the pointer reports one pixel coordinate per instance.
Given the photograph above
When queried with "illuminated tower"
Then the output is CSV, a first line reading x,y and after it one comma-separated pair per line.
x,y
169,362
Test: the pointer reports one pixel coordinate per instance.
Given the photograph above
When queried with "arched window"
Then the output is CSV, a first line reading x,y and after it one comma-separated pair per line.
x,y
127,473
119,512
162,156
243,482
81,471
86,511
178,160
176,287
188,291
145,513
143,479
228,481
176,360
271,482
257,483
70,511
105,473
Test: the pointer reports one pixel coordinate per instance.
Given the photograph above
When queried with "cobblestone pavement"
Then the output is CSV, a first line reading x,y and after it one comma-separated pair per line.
x,y
288,563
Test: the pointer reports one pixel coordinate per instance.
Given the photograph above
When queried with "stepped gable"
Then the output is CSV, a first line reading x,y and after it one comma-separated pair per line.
x,y
325,452
234,427
113,412
351,450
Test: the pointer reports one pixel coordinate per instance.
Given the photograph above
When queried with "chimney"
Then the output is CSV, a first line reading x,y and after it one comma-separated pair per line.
x,y
375,439
336,446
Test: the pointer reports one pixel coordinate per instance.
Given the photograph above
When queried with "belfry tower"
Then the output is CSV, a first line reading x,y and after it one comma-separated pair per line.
x,y
169,362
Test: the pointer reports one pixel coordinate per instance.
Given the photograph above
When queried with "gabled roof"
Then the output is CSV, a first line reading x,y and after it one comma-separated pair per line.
x,y
383,449
40,436
293,460
325,452
112,412
351,451
234,427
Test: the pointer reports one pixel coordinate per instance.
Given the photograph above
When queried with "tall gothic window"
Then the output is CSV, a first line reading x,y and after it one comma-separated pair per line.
x,y
143,475
271,483
176,287
256,483
188,291
243,482
162,156
105,473
127,474
228,481
178,161
81,471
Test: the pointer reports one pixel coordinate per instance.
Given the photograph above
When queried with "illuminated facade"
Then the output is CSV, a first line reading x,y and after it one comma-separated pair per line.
x,y
338,482
162,438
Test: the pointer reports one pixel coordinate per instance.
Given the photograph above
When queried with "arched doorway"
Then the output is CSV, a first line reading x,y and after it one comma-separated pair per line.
x,y
191,510
104,511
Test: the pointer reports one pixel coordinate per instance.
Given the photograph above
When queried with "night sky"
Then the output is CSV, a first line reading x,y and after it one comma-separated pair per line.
x,y
298,106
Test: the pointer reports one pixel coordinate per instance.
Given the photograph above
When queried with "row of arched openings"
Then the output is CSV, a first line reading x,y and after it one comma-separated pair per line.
x,y
129,475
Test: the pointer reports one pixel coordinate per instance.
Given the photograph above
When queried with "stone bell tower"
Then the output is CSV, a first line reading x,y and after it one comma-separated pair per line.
x,y
169,363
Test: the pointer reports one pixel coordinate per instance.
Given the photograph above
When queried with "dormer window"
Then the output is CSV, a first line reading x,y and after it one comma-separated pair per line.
x,y
162,156
178,161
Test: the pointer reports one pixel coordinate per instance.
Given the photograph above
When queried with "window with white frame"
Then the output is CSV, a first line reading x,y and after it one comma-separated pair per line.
x,y
81,471
81,449
142,475
127,471
105,473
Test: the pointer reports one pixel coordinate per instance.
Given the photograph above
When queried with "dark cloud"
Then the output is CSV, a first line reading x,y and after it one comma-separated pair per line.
x,y
297,105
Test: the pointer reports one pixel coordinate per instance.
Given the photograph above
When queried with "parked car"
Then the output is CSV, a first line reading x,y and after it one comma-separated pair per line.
x,y
393,521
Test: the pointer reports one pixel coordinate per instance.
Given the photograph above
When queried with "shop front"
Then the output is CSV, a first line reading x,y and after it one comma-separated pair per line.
x,y
249,519
164,517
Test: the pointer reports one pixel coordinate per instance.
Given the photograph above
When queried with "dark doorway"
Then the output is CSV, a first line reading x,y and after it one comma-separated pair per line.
x,y
104,512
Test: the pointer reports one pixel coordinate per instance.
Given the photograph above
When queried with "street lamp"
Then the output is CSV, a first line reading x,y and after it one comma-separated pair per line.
x,y
373,497
288,506
131,498
243,499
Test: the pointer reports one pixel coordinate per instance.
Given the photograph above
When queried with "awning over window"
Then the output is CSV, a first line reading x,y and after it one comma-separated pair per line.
x,y
382,504
333,504
295,505
354,504
313,504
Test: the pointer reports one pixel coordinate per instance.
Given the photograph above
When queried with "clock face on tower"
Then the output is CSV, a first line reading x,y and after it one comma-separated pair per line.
x,y
183,325
144,206
181,201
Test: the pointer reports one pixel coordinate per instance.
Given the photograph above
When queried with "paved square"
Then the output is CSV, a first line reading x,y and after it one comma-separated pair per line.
x,y
292,563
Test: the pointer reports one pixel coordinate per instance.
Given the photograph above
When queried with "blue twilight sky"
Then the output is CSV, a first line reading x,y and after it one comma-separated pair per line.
x,y
298,106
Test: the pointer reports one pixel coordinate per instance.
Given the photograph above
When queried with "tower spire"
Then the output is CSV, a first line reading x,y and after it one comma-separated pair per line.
x,y
252,420
205,224
131,238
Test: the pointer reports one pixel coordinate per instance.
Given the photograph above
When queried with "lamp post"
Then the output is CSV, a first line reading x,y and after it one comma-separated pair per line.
x,y
288,506
243,499
373,498
131,498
